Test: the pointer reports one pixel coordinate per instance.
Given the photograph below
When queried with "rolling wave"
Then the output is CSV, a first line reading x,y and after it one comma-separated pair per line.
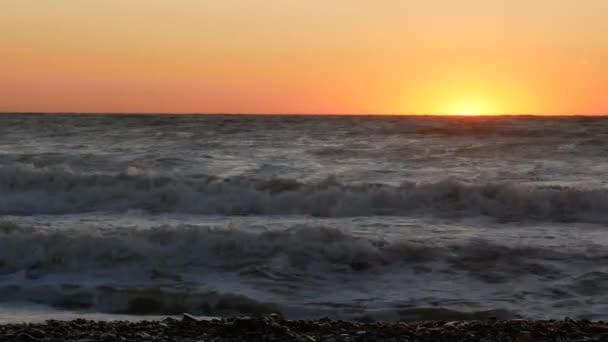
x,y
26,190
164,251
229,271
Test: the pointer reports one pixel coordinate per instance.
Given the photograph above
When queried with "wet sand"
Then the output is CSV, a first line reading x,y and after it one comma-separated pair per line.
x,y
273,328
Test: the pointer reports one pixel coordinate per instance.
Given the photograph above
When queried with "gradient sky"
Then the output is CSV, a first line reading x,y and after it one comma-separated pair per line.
x,y
313,56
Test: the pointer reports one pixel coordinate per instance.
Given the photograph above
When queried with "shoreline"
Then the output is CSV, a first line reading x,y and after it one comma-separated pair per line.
x,y
274,328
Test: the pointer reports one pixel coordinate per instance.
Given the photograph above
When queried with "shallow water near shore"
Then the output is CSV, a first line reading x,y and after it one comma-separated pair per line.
x,y
352,218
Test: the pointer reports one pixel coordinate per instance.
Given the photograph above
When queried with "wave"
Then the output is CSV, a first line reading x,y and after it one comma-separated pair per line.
x,y
138,300
27,190
166,252
225,271
158,301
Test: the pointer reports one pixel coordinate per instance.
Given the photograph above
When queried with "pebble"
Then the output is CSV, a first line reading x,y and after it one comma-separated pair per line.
x,y
26,338
272,328
186,317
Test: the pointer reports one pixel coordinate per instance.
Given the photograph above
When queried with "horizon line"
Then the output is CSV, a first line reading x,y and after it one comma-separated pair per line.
x,y
292,114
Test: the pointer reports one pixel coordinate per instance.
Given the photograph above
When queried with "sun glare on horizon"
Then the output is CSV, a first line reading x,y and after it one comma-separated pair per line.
x,y
468,112
469,107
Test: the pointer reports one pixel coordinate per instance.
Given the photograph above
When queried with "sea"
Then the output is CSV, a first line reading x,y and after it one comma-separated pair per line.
x,y
348,217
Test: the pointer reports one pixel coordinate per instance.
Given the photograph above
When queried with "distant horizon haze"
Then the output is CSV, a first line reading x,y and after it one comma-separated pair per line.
x,y
309,114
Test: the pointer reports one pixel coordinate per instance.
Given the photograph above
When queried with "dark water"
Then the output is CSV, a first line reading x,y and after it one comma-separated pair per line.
x,y
347,217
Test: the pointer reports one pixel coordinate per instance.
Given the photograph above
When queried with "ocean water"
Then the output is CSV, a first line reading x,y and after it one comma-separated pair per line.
x,y
309,216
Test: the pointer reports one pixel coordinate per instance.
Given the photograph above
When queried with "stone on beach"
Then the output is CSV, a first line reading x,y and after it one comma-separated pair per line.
x,y
274,328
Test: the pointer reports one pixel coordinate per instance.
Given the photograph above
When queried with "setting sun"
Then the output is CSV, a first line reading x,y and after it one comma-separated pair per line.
x,y
469,108
469,112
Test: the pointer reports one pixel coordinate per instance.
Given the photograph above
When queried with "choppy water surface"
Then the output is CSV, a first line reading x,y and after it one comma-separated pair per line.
x,y
347,217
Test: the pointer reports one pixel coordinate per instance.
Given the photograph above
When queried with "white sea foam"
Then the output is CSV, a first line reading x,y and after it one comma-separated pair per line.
x,y
28,190
227,271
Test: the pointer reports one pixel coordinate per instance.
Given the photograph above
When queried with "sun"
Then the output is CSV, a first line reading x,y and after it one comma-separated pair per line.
x,y
468,112
468,107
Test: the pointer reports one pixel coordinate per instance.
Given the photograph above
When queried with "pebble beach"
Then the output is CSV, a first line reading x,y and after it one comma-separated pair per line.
x,y
274,328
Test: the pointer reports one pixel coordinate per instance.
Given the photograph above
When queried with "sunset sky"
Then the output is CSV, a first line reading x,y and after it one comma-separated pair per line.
x,y
313,56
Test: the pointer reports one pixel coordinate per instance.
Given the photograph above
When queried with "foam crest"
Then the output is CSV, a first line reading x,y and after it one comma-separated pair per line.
x,y
27,190
230,271
164,251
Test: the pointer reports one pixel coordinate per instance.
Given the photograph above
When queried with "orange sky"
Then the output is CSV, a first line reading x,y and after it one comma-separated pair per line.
x,y
313,56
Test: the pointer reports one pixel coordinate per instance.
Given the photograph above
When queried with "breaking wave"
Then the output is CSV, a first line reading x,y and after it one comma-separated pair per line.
x,y
164,252
225,271
26,190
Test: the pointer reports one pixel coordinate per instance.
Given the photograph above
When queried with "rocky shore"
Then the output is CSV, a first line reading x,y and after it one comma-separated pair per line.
x,y
274,328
